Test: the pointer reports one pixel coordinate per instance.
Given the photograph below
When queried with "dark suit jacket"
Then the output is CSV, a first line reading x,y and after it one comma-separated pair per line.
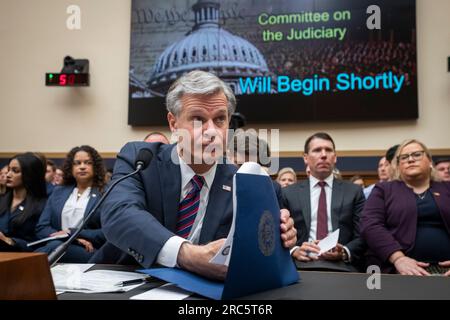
x,y
50,220
389,219
347,201
140,214
24,232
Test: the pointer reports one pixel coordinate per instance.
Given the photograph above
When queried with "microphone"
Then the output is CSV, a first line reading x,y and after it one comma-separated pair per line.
x,y
143,159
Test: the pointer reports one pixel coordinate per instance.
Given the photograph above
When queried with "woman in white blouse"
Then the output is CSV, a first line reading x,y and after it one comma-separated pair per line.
x,y
84,177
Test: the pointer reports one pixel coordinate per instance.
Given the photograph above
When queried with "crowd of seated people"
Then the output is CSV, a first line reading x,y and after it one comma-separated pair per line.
x,y
31,210
368,58
84,181
178,212
402,224
333,57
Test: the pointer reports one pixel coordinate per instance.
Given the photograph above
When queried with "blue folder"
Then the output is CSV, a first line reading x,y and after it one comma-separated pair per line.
x,y
258,260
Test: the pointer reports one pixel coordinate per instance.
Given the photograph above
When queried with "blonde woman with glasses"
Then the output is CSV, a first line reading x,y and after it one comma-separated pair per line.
x,y
406,222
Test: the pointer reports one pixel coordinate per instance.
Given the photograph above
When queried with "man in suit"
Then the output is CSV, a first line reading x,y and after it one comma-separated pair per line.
x,y
322,204
442,166
178,211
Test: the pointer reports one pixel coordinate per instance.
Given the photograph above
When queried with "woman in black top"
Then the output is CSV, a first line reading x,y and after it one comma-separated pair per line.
x,y
23,202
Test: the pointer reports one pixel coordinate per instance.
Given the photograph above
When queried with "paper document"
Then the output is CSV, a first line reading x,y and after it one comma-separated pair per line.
x,y
61,236
73,278
168,291
328,243
71,267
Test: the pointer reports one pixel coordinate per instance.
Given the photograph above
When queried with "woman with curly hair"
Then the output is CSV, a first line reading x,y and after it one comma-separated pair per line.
x,y
84,176
22,203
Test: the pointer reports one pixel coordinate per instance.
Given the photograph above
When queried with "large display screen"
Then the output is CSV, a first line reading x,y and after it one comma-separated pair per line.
x,y
288,61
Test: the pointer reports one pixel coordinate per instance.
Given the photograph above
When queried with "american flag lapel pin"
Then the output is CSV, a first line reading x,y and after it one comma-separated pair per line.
x,y
227,188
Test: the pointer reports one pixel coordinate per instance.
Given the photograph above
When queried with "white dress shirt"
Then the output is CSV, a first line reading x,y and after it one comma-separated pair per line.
x,y
74,208
315,190
168,254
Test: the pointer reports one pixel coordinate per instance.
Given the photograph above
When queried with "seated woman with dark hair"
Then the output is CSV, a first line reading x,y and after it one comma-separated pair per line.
x,y
406,222
23,202
84,179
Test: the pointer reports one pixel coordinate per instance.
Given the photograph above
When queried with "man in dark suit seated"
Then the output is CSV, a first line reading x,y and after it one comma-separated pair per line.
x,y
178,210
322,204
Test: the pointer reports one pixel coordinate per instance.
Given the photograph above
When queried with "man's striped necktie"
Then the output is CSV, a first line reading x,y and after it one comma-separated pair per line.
x,y
188,207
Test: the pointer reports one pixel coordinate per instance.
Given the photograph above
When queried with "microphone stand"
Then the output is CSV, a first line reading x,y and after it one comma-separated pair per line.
x,y
61,249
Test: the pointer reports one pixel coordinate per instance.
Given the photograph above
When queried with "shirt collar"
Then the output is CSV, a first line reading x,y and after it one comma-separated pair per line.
x,y
187,173
329,180
87,191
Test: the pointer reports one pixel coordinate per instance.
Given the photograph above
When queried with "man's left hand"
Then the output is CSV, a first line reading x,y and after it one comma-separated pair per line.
x,y
445,264
334,254
288,231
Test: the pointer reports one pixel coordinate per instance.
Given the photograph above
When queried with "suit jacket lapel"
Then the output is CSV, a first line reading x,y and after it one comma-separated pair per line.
x,y
305,200
61,201
219,199
170,176
337,196
95,195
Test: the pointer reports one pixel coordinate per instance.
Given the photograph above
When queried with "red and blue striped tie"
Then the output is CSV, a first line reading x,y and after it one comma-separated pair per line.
x,y
188,208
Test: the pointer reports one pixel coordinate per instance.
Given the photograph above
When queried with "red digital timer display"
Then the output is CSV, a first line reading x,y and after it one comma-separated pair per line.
x,y
67,79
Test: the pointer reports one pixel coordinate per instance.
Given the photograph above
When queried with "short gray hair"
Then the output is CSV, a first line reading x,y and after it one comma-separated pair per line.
x,y
198,82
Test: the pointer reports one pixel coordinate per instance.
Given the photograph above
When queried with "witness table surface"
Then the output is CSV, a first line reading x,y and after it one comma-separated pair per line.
x,y
314,285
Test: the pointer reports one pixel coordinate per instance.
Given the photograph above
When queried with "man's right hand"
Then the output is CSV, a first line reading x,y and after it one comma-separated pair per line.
x,y
303,253
196,258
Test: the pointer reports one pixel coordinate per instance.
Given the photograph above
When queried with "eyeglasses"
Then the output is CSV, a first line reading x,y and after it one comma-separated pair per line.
x,y
416,156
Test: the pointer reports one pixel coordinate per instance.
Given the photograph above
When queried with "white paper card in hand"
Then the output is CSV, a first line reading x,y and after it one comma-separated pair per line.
x,y
329,242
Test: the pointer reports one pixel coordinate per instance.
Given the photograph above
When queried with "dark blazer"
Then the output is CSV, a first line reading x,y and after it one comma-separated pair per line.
x,y
347,201
50,188
24,232
140,214
389,219
50,220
